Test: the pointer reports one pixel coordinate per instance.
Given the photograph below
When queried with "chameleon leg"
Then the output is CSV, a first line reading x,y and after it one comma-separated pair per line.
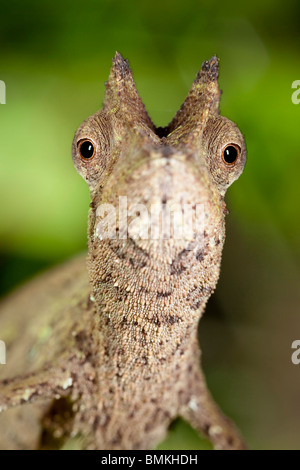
x,y
201,411
35,386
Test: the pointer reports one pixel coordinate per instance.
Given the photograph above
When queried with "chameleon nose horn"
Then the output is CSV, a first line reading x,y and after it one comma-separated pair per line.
x,y
121,94
203,98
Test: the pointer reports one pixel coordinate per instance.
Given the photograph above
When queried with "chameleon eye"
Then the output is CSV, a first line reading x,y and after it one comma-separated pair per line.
x,y
230,154
86,149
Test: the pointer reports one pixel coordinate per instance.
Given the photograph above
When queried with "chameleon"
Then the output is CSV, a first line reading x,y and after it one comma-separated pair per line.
x,y
103,351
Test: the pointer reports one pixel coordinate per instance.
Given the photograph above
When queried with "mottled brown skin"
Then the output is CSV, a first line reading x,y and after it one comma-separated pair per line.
x,y
112,363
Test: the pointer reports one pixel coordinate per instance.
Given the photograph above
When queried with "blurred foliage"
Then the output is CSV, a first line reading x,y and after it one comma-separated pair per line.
x,y
55,57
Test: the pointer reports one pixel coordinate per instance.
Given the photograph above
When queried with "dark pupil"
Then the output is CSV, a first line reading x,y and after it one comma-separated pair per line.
x,y
87,149
230,154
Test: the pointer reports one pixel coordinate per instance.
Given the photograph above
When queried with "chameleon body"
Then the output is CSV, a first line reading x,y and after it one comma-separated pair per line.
x,y
108,353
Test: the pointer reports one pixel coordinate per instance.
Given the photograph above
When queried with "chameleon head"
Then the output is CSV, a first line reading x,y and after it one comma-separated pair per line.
x,y
157,212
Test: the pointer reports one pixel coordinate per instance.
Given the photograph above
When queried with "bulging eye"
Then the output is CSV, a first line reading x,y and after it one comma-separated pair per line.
x,y
86,149
230,154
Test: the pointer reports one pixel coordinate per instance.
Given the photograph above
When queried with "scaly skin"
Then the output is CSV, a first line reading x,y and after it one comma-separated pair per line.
x,y
120,358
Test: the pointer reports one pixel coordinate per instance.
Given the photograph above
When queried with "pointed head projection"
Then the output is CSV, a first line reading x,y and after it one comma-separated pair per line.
x,y
138,173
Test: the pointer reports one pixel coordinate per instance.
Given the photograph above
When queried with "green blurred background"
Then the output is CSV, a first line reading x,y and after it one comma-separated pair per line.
x,y
54,59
